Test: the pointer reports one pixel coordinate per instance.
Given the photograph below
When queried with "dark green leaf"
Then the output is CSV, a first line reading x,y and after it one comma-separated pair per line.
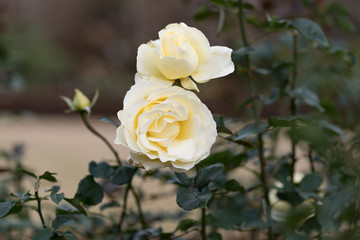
x,y
311,182
282,122
227,158
48,176
191,198
186,224
60,221
75,203
250,130
89,191
215,236
281,72
331,127
220,125
109,120
234,186
68,235
307,96
310,30
123,175
43,234
109,205
56,198
207,174
203,12
5,207
28,173
183,178
101,170
249,6
238,54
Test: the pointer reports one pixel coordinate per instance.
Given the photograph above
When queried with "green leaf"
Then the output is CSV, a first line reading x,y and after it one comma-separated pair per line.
x,y
281,122
250,130
101,170
186,224
234,186
28,173
220,125
191,198
89,191
215,236
238,54
307,96
331,127
311,182
203,12
43,234
75,203
95,98
207,174
5,207
56,198
60,221
281,72
67,235
109,205
123,175
227,158
310,30
109,120
48,176
183,178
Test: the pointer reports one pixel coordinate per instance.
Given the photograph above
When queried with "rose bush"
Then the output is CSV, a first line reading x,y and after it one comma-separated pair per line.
x,y
165,126
181,52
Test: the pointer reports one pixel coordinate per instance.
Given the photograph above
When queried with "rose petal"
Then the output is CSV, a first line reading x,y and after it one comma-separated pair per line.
x,y
146,162
218,65
145,60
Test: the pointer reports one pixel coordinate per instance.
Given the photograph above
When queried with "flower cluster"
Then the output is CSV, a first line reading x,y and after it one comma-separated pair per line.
x,y
165,125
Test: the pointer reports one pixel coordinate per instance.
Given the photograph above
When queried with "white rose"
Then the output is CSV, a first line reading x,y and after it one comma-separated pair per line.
x,y
180,52
165,126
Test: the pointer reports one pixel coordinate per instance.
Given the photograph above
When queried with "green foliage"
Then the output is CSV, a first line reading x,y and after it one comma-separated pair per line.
x,y
249,182
89,192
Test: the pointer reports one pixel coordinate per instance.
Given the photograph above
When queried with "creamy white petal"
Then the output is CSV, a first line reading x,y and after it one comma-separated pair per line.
x,y
218,65
174,68
146,162
145,60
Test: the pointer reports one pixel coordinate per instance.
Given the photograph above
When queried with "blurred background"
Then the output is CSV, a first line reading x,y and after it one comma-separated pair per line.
x,y
48,48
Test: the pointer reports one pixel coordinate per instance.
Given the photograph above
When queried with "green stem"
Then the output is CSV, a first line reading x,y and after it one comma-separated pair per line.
x,y
138,204
256,117
83,115
128,187
39,208
203,223
293,100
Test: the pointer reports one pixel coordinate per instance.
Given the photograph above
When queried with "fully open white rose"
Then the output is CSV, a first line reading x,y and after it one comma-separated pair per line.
x,y
183,51
165,126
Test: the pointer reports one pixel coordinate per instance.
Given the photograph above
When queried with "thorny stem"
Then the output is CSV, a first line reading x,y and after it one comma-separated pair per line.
x,y
137,201
83,115
256,117
203,223
293,100
39,208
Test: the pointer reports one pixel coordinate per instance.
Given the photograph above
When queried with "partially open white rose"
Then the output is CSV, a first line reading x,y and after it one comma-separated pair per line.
x,y
180,52
165,126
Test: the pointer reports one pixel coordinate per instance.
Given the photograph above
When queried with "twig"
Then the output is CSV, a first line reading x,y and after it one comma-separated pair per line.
x,y
38,199
256,117
83,115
